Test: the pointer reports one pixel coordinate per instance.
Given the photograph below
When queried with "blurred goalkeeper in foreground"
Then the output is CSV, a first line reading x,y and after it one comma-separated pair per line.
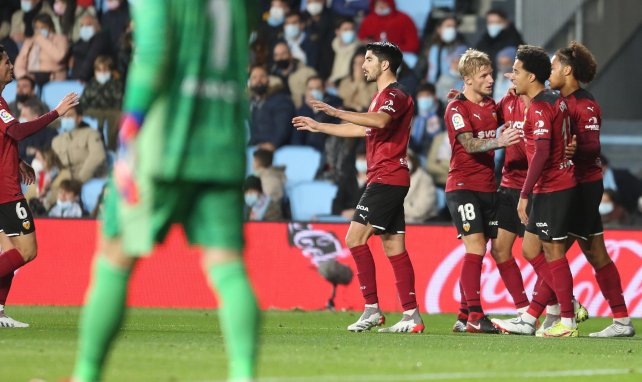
x,y
181,160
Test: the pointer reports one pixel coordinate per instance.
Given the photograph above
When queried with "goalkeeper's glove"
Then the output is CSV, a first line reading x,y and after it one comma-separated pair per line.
x,y
124,167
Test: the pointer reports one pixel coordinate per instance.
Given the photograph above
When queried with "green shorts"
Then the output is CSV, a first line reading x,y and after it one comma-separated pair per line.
x,y
211,215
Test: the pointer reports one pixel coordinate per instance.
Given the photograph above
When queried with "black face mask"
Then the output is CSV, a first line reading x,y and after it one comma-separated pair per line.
x,y
22,98
282,64
259,89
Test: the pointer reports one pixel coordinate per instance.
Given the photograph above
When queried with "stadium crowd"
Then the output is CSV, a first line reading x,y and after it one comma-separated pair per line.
x,y
301,50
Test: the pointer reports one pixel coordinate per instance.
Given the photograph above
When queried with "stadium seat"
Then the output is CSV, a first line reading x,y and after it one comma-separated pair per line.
x,y
92,122
53,92
90,192
9,92
301,163
111,159
311,199
250,150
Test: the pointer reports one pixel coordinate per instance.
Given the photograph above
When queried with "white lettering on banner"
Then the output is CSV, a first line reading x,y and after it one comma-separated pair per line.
x,y
443,286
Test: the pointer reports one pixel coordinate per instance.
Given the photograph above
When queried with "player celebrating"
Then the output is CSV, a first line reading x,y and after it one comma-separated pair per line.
x,y
17,229
380,210
571,66
187,83
471,121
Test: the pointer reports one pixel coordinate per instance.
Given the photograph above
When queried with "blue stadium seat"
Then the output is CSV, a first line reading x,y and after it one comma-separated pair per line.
x,y
9,92
54,91
249,151
92,122
301,163
90,192
311,199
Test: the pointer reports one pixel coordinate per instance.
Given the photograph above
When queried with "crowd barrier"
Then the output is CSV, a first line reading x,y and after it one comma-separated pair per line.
x,y
282,263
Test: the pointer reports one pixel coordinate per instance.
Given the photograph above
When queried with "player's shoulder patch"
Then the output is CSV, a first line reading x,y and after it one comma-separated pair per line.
x,y
457,121
5,116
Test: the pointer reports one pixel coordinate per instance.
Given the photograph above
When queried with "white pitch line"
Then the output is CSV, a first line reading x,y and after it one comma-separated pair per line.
x,y
450,376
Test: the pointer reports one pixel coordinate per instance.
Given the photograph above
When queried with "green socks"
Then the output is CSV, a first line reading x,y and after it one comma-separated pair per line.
x,y
100,319
239,317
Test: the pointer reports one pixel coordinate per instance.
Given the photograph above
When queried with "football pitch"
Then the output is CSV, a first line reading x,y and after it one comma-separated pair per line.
x,y
186,345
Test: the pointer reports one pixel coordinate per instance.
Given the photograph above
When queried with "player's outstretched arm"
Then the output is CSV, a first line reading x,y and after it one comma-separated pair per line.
x,y
508,136
20,131
345,130
377,120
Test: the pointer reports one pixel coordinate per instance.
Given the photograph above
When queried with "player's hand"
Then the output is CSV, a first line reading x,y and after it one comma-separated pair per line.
x,y
452,94
69,101
521,210
324,107
306,124
124,175
27,174
571,148
509,136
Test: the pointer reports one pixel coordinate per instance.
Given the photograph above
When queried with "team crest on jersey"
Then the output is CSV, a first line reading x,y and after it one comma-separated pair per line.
x,y
26,224
6,116
458,121
466,226
495,116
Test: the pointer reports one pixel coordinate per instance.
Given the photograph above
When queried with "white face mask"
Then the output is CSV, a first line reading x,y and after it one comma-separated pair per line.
x,y
102,77
348,37
314,8
22,120
64,204
26,6
383,12
67,124
291,31
44,32
276,17
361,165
494,29
86,32
37,166
448,34
606,208
251,199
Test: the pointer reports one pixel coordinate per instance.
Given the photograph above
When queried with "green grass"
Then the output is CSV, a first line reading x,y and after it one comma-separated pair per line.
x,y
186,345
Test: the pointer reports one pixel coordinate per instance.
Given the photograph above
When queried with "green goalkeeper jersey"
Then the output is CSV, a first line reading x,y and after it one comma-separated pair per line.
x,y
188,76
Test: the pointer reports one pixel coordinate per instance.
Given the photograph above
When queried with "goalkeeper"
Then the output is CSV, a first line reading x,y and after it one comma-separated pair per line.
x,y
181,160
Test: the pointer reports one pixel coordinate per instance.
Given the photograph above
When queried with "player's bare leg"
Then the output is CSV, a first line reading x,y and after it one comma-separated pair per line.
x,y
395,248
24,249
501,250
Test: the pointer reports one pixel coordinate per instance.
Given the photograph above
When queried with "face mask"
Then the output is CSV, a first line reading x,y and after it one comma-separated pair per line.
x,y
26,6
112,4
44,32
410,166
316,94
448,34
361,165
425,104
86,32
347,37
606,208
383,12
103,77
314,8
332,91
282,64
67,124
291,31
259,89
59,8
494,29
37,166
64,204
251,199
277,15
22,120
22,98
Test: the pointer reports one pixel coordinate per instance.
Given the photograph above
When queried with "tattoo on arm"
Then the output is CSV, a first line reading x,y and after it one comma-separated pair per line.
x,y
476,145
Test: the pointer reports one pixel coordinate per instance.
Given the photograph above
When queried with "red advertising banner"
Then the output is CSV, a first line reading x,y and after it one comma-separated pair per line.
x,y
282,261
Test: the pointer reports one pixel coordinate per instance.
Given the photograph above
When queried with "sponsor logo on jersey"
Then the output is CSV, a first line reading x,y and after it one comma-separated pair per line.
x,y
487,134
538,112
539,124
403,162
540,225
362,208
458,121
393,95
510,109
493,223
562,106
388,105
540,132
591,108
6,116
477,115
593,125
494,116
455,109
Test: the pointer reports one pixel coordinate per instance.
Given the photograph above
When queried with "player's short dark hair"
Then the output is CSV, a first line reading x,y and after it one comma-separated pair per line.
x,y
498,12
264,157
71,185
253,183
535,60
45,19
387,51
580,59
27,78
427,87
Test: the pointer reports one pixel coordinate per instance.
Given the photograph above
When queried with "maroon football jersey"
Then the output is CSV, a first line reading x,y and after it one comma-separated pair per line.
x,y
586,119
9,172
548,118
510,110
475,172
386,148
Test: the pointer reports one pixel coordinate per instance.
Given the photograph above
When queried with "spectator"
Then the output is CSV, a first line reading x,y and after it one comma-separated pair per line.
x,y
504,65
291,71
42,55
302,47
270,31
93,42
271,111
68,14
427,123
6,11
315,90
451,79
25,91
102,98
439,159
319,26
27,147
445,44
421,201
272,178
47,167
22,19
259,207
68,203
407,77
124,52
614,215
344,45
79,147
351,8
353,183
627,187
386,23
500,33
355,92
115,21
